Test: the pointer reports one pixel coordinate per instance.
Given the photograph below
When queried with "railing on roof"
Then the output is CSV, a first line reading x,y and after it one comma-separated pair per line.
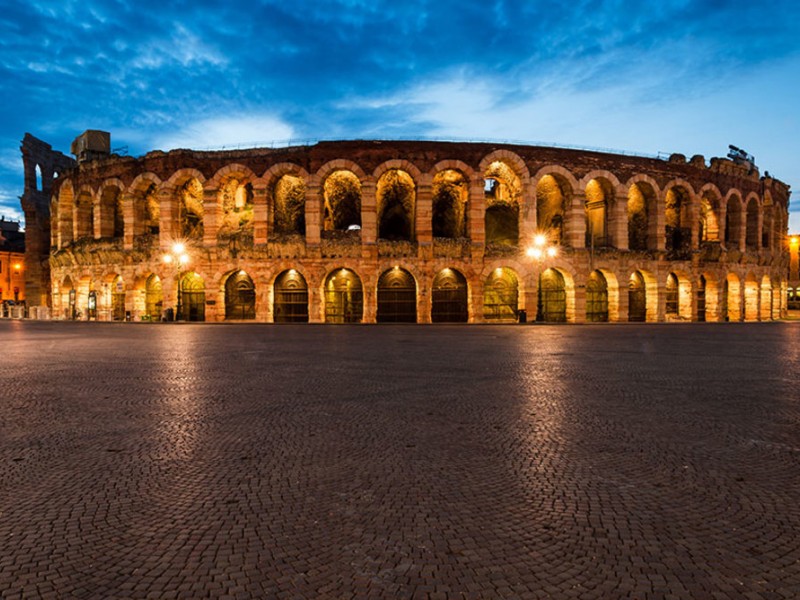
x,y
305,142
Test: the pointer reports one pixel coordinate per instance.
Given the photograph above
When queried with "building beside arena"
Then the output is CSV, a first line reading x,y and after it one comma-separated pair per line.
x,y
399,231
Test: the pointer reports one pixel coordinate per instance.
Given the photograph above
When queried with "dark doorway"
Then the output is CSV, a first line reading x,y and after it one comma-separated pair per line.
x,y
240,297
344,297
449,298
397,297
637,298
291,298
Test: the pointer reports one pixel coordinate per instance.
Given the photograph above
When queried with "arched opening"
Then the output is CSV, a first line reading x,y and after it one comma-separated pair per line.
x,y
709,219
449,297
672,296
733,223
553,296
153,297
766,299
112,217
637,298
91,304
751,294
701,299
397,297
396,199
38,178
599,196
751,233
190,210
501,296
342,202
597,298
68,298
291,298
240,296
289,202
84,216
152,210
192,294
502,192
450,195
118,299
552,196
678,231
641,204
344,297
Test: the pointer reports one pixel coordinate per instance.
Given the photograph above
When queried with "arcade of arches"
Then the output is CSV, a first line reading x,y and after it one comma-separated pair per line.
x,y
349,233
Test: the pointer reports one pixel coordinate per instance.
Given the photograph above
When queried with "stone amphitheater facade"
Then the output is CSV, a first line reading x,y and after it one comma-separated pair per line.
x,y
376,231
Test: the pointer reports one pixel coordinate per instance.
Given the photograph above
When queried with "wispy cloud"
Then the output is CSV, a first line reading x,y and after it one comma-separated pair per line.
x,y
226,131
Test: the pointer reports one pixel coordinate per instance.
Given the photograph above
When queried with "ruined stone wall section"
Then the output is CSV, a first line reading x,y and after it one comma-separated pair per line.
x,y
697,226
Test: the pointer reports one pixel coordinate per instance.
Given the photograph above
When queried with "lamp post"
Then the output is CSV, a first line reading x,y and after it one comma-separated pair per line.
x,y
540,249
179,258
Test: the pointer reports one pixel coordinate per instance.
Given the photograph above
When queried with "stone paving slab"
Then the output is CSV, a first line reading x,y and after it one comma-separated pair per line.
x,y
648,461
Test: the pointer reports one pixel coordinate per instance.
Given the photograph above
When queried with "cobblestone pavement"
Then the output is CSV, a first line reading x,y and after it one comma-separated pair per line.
x,y
257,461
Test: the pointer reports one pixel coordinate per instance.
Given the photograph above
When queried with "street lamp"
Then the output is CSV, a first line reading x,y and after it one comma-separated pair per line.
x,y
540,249
179,258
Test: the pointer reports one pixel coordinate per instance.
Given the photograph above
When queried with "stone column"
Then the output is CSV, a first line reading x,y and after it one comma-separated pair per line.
x,y
575,222
424,219
369,219
527,216
477,218
169,227
475,303
313,207
212,217
260,216
315,304
618,222
129,217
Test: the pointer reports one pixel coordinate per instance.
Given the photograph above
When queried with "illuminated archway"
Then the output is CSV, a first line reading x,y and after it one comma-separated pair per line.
x,y
449,297
153,297
450,195
240,296
396,200
291,298
597,298
193,298
341,202
397,297
501,296
118,299
554,296
344,297
502,192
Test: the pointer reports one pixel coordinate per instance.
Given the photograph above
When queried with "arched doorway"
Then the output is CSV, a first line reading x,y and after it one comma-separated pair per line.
x,y
68,298
397,297
344,297
118,299
637,298
553,294
192,294
449,297
701,299
291,298
501,296
672,295
153,297
240,297
597,298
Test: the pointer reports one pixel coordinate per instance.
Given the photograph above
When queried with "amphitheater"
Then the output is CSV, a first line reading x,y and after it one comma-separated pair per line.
x,y
403,231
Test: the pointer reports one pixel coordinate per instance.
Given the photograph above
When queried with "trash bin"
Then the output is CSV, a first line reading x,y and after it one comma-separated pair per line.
x,y
522,316
169,315
127,315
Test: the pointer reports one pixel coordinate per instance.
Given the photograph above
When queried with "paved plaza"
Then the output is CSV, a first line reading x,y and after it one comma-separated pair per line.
x,y
303,461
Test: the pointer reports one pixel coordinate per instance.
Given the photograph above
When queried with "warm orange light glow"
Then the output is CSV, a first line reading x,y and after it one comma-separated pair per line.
x,y
183,258
540,239
794,240
17,266
178,248
552,251
535,253
167,258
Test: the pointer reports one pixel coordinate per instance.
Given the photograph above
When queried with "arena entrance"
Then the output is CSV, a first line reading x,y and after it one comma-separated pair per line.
x,y
118,299
637,298
554,296
291,298
240,297
701,299
449,298
597,298
193,298
397,297
500,296
153,297
344,297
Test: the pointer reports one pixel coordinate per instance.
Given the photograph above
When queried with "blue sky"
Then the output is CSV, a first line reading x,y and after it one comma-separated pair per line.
x,y
672,76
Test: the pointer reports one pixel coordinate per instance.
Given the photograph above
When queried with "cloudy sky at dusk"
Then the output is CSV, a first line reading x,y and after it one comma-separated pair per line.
x,y
672,76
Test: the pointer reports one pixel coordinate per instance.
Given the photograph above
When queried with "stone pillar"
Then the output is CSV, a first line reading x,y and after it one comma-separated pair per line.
x,y
424,298
260,216
370,296
579,314
369,219
477,218
622,300
475,303
212,217
424,218
129,218
315,304
723,225
169,227
618,222
657,224
575,222
527,216
313,207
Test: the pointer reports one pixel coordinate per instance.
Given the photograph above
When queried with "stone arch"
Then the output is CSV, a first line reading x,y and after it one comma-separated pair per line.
x,y
612,294
751,297
111,209
145,210
396,197
342,193
344,296
642,213
709,205
84,212
556,296
678,296
68,295
752,215
152,287
231,171
734,220
449,297
732,297
290,297
765,310
287,203
239,292
506,180
397,296
450,190
398,164
501,293
678,219
642,296
193,297
599,189
183,200
233,186
555,187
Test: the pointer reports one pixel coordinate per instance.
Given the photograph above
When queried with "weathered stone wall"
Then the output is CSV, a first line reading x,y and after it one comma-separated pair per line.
x,y
720,230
